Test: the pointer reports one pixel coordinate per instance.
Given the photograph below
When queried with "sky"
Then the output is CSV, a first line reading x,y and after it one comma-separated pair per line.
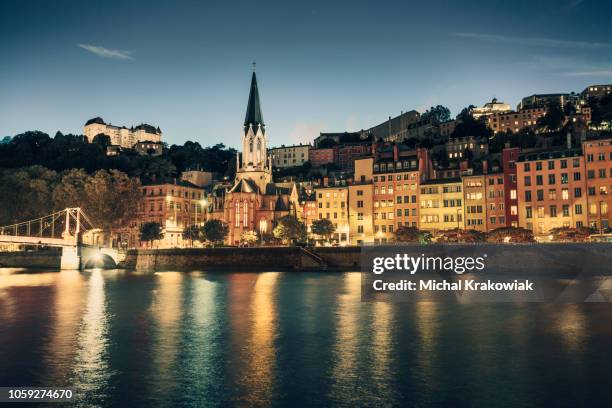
x,y
322,66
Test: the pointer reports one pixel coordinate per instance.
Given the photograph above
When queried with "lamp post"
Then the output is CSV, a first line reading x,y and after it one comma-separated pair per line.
x,y
202,203
601,203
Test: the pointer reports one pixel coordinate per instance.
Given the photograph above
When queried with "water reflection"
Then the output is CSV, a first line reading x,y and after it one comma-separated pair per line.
x,y
426,317
293,339
70,295
261,359
167,313
346,346
382,349
200,364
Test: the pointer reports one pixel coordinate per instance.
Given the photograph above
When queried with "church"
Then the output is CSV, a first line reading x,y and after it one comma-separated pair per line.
x,y
254,201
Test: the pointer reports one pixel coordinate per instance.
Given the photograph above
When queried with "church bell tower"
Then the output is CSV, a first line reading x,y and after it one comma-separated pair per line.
x,y
255,163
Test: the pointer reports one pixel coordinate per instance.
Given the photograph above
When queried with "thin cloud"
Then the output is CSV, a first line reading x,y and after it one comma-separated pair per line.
x,y
106,53
605,72
532,41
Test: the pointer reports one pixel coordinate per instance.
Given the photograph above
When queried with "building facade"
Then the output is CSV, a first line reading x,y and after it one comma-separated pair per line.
x,y
361,198
121,136
552,190
332,205
441,204
598,162
490,108
174,205
289,156
515,121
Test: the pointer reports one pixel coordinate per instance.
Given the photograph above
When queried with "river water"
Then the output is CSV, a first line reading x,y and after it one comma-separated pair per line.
x,y
291,339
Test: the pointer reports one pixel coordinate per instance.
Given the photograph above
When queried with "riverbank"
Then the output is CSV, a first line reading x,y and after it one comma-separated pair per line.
x,y
260,258
277,258
592,256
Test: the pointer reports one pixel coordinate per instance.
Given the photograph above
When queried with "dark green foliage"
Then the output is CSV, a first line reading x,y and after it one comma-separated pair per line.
x,y
150,231
73,152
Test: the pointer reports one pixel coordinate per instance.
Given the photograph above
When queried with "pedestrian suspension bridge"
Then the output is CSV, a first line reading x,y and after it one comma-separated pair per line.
x,y
62,229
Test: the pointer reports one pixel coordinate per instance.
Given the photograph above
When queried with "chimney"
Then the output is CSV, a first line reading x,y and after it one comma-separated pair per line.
x,y
325,181
395,153
569,140
485,166
463,166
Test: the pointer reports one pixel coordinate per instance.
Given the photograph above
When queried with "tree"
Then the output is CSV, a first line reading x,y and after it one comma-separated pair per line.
x,y
214,231
554,117
289,229
193,232
150,231
323,228
111,199
436,114
510,235
412,234
102,140
249,238
459,236
567,234
26,193
468,126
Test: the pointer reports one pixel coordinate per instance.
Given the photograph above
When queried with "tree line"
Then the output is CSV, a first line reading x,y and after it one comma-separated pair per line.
x,y
63,152
109,197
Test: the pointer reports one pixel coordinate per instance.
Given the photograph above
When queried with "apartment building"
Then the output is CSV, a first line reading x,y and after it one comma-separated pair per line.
x,y
552,190
596,91
289,156
510,156
175,205
397,174
322,156
474,202
495,201
598,162
515,121
361,199
458,148
332,204
441,204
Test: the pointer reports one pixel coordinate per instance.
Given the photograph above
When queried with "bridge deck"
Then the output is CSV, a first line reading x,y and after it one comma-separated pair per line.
x,y
16,239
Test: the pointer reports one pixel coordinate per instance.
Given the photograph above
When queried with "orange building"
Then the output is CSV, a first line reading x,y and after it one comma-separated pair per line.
x,y
551,190
398,172
598,162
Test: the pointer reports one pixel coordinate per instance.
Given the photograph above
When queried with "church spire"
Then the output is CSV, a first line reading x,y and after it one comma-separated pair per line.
x,y
253,113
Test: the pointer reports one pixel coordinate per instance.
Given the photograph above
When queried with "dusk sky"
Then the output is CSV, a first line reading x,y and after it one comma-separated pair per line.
x,y
321,65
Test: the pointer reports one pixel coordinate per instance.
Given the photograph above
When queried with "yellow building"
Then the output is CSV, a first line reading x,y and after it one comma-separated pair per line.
x,y
474,202
361,226
332,204
441,204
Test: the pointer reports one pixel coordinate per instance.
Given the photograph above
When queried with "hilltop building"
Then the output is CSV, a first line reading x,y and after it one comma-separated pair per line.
x,y
120,135
491,107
